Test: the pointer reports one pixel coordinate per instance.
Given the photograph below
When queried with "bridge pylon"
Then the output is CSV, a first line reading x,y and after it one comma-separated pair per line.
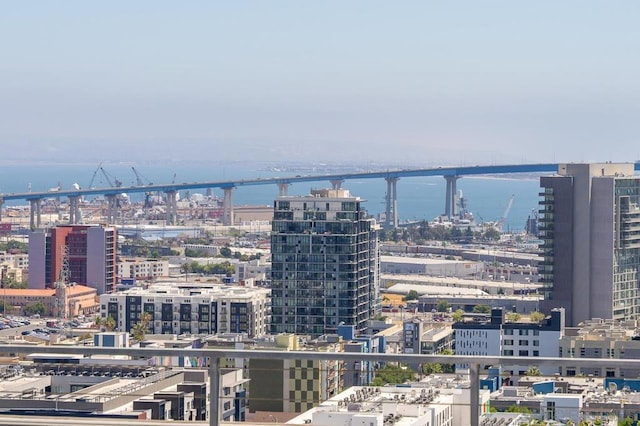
x,y
227,207
450,204
336,183
35,216
74,210
112,208
283,189
172,207
391,198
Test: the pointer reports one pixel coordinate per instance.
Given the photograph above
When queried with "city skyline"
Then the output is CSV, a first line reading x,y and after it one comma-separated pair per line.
x,y
460,83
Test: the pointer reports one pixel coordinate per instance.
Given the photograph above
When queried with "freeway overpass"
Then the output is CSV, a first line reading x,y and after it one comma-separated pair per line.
x,y
450,174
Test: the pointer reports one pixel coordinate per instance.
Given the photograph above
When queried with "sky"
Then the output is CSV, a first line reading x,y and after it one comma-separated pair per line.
x,y
418,83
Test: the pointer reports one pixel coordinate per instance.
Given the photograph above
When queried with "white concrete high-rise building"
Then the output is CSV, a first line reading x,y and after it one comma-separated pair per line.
x,y
590,232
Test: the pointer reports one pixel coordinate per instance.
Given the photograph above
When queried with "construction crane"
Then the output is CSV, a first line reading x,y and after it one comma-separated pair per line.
x,y
507,209
115,184
147,195
106,176
94,175
140,178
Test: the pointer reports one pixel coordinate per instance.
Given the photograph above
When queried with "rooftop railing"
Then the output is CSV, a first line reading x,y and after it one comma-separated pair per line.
x,y
475,363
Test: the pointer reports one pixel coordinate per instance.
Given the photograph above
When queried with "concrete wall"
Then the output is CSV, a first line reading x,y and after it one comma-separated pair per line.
x,y
96,259
37,255
603,239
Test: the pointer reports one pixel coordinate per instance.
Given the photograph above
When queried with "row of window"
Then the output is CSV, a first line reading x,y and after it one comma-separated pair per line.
x,y
509,342
509,352
521,332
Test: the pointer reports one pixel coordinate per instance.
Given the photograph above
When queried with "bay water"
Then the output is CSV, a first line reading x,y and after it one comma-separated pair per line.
x,y
418,197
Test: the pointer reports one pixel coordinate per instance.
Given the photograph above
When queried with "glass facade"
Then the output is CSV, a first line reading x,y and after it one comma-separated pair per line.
x,y
324,265
547,236
626,260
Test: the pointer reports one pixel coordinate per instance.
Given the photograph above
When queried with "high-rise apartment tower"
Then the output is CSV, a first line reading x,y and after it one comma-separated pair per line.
x,y
84,254
590,232
325,264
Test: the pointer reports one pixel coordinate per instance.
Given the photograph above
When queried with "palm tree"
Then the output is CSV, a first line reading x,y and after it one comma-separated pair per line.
x,y
532,371
140,329
109,323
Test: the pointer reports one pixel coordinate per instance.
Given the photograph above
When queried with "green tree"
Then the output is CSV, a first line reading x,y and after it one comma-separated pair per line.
x,y
436,367
225,252
532,371
393,374
412,295
458,315
517,409
16,246
109,323
377,381
195,253
35,308
443,306
431,368
536,316
627,421
491,234
482,309
448,368
5,307
513,317
140,329
10,282
224,268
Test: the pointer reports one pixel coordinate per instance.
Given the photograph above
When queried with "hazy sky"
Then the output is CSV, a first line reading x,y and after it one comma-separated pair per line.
x,y
410,82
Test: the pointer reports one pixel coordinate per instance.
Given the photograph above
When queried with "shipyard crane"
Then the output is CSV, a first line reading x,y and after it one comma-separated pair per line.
x,y
94,175
148,194
115,184
507,209
140,177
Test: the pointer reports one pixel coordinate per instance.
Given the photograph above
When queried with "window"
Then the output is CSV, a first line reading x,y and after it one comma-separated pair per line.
x,y
523,332
536,343
550,410
508,342
507,352
523,353
523,342
508,332
536,353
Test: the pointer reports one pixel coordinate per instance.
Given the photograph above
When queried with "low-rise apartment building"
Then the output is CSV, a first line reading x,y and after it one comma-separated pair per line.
x,y
178,308
143,269
598,338
428,338
499,337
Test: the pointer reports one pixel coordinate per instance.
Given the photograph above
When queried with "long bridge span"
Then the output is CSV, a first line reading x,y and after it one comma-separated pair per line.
x,y
450,174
